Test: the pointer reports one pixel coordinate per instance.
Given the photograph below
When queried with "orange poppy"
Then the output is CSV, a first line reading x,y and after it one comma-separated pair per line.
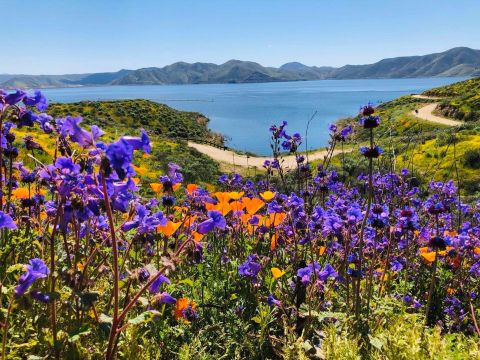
x,y
235,195
267,195
20,193
197,237
156,187
476,251
381,271
245,218
273,242
321,251
223,207
169,229
237,205
277,273
188,221
275,219
451,291
449,233
253,205
181,305
191,188
429,256
222,196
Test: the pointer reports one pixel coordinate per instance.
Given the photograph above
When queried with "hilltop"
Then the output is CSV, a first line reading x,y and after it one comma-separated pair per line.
x,y
460,61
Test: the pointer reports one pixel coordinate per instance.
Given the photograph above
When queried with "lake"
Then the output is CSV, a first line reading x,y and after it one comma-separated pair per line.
x,y
244,112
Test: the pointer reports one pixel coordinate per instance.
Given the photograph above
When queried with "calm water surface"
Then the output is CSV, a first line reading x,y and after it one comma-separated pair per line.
x,y
244,112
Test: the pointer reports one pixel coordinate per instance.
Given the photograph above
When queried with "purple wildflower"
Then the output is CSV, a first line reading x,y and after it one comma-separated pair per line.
x,y
36,269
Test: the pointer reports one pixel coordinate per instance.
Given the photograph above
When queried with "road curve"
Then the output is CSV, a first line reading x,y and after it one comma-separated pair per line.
x,y
230,157
426,113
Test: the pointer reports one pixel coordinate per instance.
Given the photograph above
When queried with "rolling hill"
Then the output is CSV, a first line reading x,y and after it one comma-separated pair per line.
x,y
460,61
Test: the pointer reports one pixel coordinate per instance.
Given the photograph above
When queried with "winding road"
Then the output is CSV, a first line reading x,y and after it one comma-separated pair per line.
x,y
426,113
230,157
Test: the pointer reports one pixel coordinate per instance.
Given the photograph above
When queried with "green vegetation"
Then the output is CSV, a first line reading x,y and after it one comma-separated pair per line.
x,y
168,129
462,100
123,115
430,151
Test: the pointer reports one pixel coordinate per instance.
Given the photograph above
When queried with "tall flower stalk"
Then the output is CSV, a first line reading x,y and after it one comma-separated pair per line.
x,y
369,121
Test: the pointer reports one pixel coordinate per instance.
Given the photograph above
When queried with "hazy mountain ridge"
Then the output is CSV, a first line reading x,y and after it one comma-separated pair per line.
x,y
460,61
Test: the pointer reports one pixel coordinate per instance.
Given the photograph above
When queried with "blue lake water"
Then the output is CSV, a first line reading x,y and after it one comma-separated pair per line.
x,y
244,112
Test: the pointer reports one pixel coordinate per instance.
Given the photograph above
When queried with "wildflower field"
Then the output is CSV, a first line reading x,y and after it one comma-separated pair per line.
x,y
306,263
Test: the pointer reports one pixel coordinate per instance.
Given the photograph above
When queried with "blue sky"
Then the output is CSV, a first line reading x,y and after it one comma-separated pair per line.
x,y
74,36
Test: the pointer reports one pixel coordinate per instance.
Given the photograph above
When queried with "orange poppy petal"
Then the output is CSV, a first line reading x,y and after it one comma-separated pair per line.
x,y
273,242
156,187
223,207
235,195
191,188
197,237
429,256
253,205
267,195
169,229
277,273
210,206
222,196
276,219
20,193
237,205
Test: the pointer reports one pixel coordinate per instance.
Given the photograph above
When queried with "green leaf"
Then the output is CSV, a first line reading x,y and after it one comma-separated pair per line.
x,y
75,334
256,319
376,342
105,319
88,298
15,267
188,282
144,317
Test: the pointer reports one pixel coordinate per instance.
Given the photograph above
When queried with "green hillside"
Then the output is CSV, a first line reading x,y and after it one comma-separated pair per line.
x,y
168,129
462,100
430,151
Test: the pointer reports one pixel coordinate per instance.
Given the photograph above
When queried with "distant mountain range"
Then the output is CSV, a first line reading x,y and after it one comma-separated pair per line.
x,y
460,61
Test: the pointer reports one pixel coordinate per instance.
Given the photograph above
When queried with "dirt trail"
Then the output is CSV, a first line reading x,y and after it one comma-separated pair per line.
x,y
426,113
230,157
